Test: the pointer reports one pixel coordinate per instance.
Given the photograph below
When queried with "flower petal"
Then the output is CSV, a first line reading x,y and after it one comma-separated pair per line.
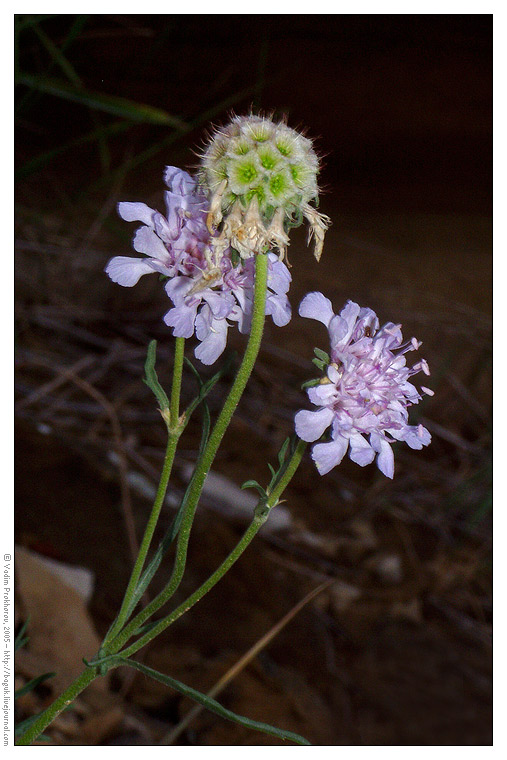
x,y
316,306
214,344
146,241
349,313
320,394
127,271
220,303
136,212
311,425
279,277
360,451
328,455
385,459
417,436
279,309
182,319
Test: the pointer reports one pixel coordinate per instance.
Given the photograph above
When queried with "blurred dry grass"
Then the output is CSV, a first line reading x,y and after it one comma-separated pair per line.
x,y
403,656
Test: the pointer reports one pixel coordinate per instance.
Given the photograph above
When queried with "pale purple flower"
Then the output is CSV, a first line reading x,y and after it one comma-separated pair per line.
x,y
172,244
206,297
210,310
366,392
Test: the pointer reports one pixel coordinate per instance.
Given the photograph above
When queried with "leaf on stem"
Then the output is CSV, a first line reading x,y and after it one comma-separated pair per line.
x,y
151,378
284,456
212,704
322,355
311,383
254,484
173,529
204,387
320,364
283,451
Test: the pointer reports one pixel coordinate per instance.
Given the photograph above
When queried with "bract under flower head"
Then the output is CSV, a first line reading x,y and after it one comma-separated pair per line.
x,y
208,290
365,394
261,178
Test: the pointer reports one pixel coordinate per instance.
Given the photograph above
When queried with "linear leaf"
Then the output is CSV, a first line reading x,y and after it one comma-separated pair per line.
x,y
173,529
283,451
128,109
253,484
320,354
211,704
204,387
151,378
311,383
58,57
31,685
21,639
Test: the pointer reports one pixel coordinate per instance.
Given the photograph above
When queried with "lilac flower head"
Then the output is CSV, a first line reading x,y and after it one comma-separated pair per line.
x,y
207,289
209,310
175,243
366,392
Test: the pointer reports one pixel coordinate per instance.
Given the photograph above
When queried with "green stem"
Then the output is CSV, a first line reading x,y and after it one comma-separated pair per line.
x,y
291,468
174,431
63,701
204,465
179,354
261,515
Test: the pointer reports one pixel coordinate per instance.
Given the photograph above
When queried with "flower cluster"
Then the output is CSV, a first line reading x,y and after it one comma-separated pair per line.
x,y
261,177
208,290
366,390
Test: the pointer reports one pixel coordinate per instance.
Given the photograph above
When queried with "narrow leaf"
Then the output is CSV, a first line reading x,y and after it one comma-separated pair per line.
x,y
194,370
253,484
311,383
283,451
151,378
204,387
212,704
173,529
31,685
58,57
25,724
320,354
21,639
113,104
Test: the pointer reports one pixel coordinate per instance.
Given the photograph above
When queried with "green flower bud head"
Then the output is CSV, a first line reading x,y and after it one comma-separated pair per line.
x,y
261,178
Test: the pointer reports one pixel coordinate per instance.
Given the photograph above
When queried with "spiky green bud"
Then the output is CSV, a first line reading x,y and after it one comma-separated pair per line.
x,y
261,178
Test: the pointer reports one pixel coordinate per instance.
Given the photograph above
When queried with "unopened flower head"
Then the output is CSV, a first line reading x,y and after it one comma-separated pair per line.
x,y
261,178
365,393
208,291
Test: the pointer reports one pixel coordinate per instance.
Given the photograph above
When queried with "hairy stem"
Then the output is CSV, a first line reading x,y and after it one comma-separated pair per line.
x,y
261,515
204,464
174,432
63,701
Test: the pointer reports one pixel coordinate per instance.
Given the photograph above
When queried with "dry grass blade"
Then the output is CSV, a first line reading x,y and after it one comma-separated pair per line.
x,y
259,645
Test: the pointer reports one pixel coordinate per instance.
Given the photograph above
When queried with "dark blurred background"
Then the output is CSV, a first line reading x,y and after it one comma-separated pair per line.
x,y
398,650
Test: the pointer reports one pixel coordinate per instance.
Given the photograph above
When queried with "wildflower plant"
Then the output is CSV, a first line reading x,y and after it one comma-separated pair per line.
x,y
221,248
